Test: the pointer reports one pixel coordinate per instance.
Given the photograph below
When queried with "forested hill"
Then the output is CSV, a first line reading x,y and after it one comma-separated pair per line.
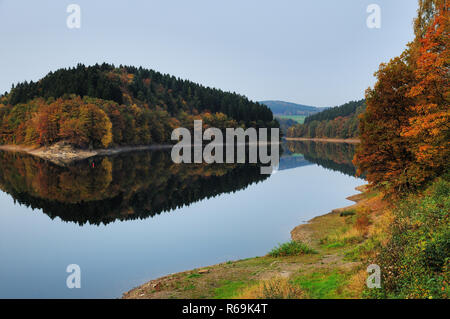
x,y
103,105
334,112
287,108
336,122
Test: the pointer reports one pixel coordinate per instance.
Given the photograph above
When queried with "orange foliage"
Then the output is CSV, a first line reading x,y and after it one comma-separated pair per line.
x,y
405,130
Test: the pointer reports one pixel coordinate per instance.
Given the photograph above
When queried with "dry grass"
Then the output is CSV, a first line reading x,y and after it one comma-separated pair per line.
x,y
356,284
275,288
348,235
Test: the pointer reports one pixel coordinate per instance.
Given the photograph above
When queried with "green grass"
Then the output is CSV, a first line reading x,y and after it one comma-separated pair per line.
x,y
292,248
321,285
229,289
298,118
189,287
336,244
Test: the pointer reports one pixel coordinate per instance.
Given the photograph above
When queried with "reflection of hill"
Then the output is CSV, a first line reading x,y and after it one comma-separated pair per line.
x,y
292,161
334,156
127,186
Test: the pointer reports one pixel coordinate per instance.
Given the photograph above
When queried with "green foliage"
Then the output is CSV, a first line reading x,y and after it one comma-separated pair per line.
x,y
128,85
292,248
437,251
349,212
415,261
358,252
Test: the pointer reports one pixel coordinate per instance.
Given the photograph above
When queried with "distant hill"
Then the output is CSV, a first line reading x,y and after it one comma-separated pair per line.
x,y
287,108
346,109
336,122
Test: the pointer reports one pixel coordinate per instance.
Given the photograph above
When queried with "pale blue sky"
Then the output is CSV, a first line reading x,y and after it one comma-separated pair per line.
x,y
310,52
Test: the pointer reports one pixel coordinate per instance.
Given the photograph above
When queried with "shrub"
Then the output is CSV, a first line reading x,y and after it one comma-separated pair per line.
x,y
347,213
292,248
437,251
276,288
414,262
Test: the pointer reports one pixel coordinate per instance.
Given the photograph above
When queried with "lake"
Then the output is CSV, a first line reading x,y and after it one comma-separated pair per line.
x,y
129,218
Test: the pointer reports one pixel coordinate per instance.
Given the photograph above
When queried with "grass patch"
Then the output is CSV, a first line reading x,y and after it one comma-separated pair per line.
x,y
347,235
194,275
292,248
189,287
322,285
276,288
361,252
336,244
229,289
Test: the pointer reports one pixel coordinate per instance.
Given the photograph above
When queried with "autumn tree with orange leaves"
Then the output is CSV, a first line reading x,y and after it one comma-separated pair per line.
x,y
405,129
428,128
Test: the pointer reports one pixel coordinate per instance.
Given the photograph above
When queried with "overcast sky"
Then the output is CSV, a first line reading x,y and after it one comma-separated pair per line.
x,y
314,52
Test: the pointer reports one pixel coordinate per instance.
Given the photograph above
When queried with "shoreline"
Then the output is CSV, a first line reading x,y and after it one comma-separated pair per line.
x,y
261,268
62,154
326,140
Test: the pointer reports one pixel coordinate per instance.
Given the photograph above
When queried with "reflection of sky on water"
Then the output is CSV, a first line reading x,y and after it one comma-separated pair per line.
x,y
35,250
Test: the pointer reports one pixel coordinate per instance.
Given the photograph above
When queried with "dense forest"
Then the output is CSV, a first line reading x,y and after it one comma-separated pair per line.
x,y
102,106
405,155
336,122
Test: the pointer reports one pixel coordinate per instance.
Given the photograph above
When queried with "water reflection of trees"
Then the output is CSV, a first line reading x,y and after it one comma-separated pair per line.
x,y
334,156
122,187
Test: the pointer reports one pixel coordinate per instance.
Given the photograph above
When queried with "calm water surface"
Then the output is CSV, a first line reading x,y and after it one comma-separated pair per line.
x,y
130,218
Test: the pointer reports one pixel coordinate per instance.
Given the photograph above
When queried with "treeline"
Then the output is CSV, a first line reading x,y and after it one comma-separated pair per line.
x,y
404,152
405,136
337,122
92,122
334,112
105,106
